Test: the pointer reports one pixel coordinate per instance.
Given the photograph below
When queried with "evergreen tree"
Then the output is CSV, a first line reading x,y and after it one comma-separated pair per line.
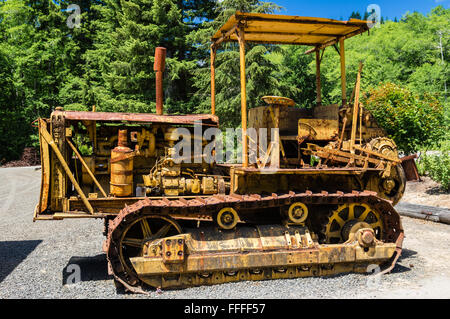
x,y
119,69
33,43
262,78
355,15
107,60
297,74
366,16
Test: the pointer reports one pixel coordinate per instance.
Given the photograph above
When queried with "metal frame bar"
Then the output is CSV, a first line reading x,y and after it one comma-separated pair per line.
x,y
86,167
45,165
355,114
297,21
336,40
48,138
241,38
213,79
343,71
318,82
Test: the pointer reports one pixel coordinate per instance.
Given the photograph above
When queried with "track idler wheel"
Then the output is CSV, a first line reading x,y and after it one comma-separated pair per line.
x,y
385,146
393,187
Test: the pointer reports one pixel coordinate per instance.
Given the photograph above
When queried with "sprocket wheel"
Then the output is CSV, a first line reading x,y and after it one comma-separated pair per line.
x,y
393,186
136,231
347,214
385,146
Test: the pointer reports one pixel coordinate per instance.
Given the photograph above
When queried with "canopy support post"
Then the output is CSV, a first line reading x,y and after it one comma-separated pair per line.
x,y
213,79
343,74
355,111
241,38
318,83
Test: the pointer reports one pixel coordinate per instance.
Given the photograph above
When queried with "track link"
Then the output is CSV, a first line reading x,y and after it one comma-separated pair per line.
x,y
204,208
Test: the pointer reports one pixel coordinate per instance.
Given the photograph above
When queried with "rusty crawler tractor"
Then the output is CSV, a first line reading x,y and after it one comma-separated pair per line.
x,y
172,225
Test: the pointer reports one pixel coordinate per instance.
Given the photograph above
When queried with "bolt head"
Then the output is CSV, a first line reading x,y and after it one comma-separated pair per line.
x,y
367,237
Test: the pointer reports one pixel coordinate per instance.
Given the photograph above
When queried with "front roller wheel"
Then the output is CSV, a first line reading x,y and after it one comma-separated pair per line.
x,y
391,187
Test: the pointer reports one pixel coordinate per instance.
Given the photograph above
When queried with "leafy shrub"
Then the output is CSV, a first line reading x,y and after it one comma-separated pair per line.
x,y
411,121
437,167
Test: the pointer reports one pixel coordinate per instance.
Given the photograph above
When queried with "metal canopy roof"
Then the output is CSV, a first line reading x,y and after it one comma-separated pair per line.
x,y
282,29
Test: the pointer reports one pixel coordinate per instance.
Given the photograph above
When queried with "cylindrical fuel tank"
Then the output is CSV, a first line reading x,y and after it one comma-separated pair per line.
x,y
122,167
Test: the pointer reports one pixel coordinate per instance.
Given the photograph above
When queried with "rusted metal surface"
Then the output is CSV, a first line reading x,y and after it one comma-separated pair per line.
x,y
241,39
318,129
303,171
206,119
347,157
410,168
343,71
86,167
206,205
114,205
280,256
282,29
271,223
122,167
45,170
159,66
48,138
169,208
213,80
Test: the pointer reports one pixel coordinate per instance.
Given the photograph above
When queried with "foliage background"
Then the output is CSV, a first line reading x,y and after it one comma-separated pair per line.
x,y
108,62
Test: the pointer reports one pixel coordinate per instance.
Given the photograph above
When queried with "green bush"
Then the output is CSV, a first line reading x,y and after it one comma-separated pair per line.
x,y
413,122
437,167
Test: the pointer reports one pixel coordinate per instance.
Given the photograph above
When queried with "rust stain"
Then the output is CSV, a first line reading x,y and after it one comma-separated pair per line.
x,y
208,119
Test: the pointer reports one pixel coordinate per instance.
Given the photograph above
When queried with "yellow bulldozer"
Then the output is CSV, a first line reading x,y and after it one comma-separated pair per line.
x,y
315,199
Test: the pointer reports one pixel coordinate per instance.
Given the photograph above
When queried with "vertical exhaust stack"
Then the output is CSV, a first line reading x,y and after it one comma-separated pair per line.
x,y
158,67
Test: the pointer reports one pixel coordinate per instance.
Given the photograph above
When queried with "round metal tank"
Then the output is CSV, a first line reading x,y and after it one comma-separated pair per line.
x,y
122,167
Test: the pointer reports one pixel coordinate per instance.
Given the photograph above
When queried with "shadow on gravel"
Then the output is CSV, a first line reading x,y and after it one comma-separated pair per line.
x,y
398,269
12,253
406,253
91,268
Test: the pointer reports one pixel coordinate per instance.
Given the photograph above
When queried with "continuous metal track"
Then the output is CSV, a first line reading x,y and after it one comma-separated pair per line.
x,y
204,208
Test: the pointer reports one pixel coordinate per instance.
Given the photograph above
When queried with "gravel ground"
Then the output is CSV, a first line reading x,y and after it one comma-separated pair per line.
x,y
427,192
33,258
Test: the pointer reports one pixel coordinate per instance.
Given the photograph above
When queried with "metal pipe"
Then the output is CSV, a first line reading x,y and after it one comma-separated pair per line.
x,y
158,67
